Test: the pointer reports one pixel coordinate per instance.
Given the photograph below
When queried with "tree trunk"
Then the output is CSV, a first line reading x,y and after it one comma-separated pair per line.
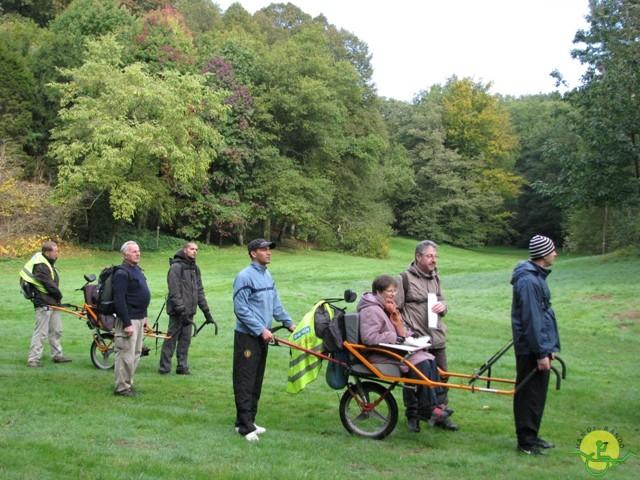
x,y
266,231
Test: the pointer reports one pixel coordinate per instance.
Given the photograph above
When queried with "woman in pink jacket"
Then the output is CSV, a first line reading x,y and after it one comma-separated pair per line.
x,y
380,322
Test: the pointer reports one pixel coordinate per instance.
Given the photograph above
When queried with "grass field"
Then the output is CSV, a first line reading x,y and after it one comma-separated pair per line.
x,y
63,422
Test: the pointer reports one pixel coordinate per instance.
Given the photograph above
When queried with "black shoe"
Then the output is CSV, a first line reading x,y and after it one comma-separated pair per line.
x,y
539,442
531,450
163,372
183,371
126,393
446,424
414,425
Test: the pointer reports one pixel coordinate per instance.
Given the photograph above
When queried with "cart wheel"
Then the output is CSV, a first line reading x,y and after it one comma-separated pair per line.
x,y
102,354
369,410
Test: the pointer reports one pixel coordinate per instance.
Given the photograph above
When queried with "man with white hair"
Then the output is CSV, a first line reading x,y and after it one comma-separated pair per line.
x,y
131,298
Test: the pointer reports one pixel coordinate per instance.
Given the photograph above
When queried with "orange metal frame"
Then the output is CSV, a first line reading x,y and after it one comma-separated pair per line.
x,y
358,351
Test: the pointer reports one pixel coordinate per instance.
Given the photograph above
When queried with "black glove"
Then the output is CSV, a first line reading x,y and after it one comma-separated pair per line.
x,y
399,340
208,317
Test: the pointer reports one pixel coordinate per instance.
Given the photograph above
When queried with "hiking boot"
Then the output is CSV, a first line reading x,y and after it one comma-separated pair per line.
x,y
437,416
414,425
531,450
163,372
446,424
126,393
539,442
183,371
446,409
61,359
34,363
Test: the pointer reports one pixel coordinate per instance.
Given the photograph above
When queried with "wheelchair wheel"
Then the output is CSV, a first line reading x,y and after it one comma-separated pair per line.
x,y
102,351
369,410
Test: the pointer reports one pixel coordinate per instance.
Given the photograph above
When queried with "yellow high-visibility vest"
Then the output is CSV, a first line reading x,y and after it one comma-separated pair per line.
x,y
304,367
27,271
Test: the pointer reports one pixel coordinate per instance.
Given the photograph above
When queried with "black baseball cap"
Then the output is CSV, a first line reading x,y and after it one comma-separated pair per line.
x,y
257,243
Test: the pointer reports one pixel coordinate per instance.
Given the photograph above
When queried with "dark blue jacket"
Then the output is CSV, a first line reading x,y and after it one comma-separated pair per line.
x,y
130,293
533,322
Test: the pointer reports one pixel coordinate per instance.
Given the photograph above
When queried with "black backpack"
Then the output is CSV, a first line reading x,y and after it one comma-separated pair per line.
x,y
329,326
103,295
28,289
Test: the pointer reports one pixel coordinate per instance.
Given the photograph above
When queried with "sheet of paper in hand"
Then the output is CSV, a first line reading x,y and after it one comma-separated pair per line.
x,y
432,299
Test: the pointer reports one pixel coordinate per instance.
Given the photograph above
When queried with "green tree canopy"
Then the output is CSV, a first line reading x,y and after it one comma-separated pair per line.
x,y
133,136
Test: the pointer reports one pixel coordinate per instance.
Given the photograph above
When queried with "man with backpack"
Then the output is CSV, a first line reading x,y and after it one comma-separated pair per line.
x,y
186,294
420,299
40,273
131,296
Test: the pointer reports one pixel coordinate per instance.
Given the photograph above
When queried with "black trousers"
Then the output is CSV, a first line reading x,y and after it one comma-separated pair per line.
x,y
422,398
529,401
249,362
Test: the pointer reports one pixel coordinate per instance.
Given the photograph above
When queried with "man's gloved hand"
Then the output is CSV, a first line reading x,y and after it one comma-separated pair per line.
x,y
399,340
209,317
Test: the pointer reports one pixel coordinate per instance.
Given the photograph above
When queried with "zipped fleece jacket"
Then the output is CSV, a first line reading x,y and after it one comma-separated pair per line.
x,y
185,287
413,304
533,321
256,302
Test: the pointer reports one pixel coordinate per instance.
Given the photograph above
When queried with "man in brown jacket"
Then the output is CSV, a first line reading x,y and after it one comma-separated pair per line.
x,y
421,301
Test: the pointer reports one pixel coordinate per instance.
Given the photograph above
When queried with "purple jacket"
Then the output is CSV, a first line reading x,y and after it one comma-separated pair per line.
x,y
376,327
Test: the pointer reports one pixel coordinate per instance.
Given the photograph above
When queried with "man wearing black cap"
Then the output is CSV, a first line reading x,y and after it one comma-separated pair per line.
x,y
255,304
535,340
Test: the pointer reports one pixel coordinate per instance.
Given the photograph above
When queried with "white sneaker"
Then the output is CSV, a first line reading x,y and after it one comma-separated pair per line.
x,y
252,437
258,431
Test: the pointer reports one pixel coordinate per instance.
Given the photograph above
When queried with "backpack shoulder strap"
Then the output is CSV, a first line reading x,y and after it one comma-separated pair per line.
x,y
405,287
405,283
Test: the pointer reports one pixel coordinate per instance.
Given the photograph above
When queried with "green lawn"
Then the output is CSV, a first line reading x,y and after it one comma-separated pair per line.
x,y
62,421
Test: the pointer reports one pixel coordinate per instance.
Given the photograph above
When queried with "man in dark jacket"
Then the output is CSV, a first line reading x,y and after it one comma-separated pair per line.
x,y
131,297
185,295
535,340
43,276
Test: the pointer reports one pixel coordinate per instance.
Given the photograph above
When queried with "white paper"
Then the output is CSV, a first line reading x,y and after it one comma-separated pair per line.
x,y
421,342
432,299
403,347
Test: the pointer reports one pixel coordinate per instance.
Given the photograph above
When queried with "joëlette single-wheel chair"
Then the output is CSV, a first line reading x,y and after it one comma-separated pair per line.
x,y
102,346
368,407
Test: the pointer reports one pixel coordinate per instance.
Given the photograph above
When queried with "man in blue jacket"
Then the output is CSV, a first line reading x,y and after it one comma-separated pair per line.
x,y
255,304
131,298
535,340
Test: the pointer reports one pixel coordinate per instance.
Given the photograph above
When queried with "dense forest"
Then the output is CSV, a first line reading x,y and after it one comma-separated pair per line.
x,y
144,115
